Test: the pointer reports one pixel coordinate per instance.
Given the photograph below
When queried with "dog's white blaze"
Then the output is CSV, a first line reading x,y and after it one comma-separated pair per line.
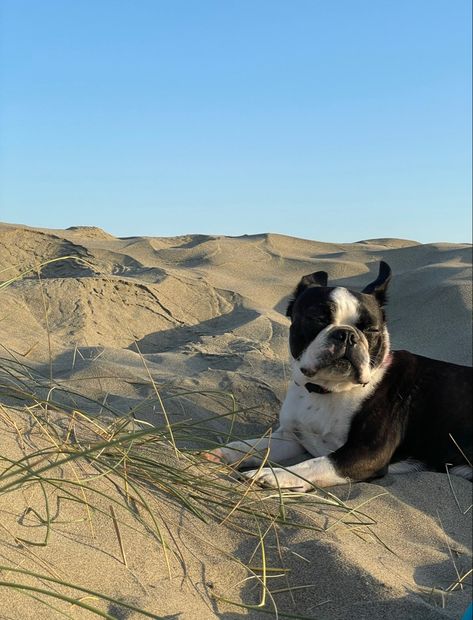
x,y
346,307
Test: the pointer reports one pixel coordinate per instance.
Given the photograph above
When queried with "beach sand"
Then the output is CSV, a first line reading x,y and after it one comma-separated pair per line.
x,y
197,316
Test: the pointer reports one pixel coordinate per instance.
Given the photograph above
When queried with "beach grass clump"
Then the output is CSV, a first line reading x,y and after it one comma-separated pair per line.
x,y
115,465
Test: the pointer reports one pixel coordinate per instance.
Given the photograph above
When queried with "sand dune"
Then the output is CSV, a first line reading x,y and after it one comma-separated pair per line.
x,y
202,313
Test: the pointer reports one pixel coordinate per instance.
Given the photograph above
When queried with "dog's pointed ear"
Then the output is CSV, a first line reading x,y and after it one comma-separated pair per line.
x,y
318,278
379,287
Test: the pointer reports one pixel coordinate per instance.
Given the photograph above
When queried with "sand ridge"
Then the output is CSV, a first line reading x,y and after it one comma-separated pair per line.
x,y
207,313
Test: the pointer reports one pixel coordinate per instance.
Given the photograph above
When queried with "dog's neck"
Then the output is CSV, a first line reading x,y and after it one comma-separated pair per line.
x,y
334,387
318,389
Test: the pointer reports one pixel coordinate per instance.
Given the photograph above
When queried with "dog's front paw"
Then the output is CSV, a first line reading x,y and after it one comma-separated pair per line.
x,y
276,477
228,456
237,453
215,456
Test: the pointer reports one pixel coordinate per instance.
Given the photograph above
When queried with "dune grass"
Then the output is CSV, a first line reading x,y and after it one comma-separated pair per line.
x,y
68,454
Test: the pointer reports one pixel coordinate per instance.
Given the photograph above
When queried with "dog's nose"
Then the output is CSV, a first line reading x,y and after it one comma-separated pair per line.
x,y
345,336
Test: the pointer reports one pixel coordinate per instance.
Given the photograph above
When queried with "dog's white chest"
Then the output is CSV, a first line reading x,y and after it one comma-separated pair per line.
x,y
319,421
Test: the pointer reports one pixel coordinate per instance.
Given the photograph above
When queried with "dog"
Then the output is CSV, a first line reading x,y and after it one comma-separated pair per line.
x,y
357,408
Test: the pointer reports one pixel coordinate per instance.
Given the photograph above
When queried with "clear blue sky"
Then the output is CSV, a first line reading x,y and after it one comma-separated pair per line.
x,y
335,120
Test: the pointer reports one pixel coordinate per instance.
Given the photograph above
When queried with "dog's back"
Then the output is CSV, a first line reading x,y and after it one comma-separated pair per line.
x,y
435,405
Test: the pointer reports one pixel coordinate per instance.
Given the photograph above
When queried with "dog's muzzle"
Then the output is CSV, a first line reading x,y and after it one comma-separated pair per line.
x,y
344,353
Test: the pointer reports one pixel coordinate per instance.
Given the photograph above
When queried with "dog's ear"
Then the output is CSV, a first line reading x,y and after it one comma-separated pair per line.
x,y
379,287
318,278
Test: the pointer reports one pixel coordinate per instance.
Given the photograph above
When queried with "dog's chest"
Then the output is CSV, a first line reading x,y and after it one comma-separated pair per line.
x,y
319,421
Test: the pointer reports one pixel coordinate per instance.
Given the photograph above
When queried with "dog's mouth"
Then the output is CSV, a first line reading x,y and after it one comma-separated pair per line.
x,y
341,366
348,366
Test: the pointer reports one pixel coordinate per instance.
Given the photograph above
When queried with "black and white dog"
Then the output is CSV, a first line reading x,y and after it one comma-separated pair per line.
x,y
357,407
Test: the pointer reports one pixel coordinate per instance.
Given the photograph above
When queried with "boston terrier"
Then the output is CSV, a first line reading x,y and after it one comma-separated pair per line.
x,y
359,409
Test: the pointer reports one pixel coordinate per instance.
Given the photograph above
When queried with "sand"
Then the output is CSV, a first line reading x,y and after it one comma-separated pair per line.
x,y
203,313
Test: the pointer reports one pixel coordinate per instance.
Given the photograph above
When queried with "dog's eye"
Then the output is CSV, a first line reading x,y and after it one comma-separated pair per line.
x,y
371,330
315,320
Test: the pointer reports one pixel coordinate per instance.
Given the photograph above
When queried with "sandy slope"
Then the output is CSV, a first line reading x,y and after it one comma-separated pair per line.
x,y
208,313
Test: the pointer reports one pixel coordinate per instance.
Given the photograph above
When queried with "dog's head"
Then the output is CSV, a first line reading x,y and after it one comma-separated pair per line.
x,y
338,337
